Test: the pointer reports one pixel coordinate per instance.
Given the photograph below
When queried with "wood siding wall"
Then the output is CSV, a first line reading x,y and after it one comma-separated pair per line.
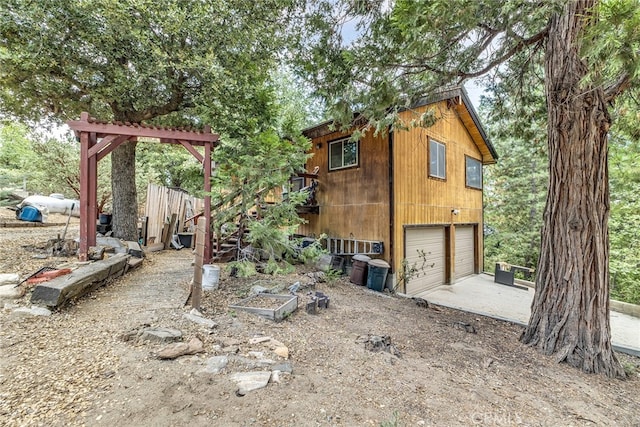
x,y
419,199
354,202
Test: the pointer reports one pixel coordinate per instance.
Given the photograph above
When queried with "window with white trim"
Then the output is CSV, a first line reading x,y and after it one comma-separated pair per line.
x,y
437,159
473,172
343,153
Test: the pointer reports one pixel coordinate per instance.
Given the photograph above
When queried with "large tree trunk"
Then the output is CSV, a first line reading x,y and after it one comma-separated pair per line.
x,y
123,187
570,310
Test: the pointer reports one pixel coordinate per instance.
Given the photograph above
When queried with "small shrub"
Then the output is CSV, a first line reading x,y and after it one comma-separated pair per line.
x,y
242,269
393,422
273,267
629,368
331,276
312,253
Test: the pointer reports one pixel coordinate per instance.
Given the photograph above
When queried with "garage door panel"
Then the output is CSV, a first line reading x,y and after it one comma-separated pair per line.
x,y
465,251
425,251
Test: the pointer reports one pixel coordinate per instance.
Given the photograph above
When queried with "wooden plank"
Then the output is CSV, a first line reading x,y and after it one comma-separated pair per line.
x,y
196,287
145,229
164,236
286,305
61,290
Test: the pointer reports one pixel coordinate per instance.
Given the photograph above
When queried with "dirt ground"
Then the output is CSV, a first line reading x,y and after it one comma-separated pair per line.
x,y
76,367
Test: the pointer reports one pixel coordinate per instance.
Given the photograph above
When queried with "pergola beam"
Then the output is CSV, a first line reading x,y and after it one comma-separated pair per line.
x,y
104,129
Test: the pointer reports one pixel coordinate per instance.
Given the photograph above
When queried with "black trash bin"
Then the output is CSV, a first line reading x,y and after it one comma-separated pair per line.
x,y
359,269
377,276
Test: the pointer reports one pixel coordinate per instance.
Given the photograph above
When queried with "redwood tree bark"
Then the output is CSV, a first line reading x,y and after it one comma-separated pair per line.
x,y
570,310
123,188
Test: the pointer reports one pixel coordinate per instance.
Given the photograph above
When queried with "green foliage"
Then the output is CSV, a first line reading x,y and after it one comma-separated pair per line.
x,y
48,164
405,51
273,242
176,63
246,175
313,252
332,276
274,268
136,60
630,369
515,187
394,421
243,269
624,228
611,42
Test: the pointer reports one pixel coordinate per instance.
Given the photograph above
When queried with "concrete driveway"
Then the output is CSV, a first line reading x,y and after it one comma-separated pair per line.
x,y
480,294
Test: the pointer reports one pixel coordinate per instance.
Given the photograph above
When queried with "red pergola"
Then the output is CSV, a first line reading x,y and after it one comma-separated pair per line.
x,y
97,139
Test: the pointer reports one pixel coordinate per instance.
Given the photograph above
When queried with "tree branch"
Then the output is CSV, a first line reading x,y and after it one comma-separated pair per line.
x,y
616,88
463,75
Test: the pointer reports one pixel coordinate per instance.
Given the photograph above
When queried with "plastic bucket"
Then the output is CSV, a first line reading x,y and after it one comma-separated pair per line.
x,y
210,277
105,219
30,213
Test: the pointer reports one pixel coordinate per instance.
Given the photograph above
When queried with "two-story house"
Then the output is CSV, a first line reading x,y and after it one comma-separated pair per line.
x,y
411,197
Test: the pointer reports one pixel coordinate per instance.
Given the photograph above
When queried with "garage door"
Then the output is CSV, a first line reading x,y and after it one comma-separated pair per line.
x,y
425,251
465,255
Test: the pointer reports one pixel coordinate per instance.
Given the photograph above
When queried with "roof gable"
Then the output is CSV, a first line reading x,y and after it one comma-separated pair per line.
x,y
459,101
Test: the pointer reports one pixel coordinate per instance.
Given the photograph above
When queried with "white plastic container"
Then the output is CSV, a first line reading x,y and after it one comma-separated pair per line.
x,y
210,277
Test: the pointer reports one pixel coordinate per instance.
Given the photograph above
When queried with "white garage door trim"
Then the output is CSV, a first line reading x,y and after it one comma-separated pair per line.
x,y
425,249
465,251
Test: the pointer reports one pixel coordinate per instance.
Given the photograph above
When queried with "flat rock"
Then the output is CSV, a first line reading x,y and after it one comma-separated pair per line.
x,y
160,335
9,279
216,364
249,381
10,292
248,363
33,311
200,320
283,367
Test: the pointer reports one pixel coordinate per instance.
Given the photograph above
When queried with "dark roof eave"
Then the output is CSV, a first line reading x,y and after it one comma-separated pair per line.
x,y
476,120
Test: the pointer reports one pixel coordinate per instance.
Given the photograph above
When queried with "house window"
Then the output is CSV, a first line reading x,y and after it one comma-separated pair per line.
x,y
473,173
343,153
297,183
437,159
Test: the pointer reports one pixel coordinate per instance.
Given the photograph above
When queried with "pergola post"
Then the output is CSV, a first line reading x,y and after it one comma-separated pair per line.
x,y
207,201
85,232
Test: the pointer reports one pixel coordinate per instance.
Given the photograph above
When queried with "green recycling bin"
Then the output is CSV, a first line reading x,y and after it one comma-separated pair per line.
x,y
377,276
